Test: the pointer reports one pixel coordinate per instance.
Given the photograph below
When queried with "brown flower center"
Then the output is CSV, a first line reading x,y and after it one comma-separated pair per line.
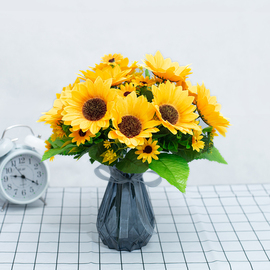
x,y
130,126
81,133
94,109
112,60
148,149
169,113
126,93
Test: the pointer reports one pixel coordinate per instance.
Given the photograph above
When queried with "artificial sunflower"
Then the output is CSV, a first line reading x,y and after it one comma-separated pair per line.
x,y
115,73
165,68
124,66
209,110
126,89
112,59
132,120
54,115
80,136
90,105
174,108
57,131
192,89
148,150
143,81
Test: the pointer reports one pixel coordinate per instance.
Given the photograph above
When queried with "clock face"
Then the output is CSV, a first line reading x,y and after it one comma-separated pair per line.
x,y
24,177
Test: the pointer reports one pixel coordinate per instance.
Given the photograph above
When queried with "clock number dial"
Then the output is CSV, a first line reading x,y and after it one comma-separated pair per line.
x,y
24,177
8,170
21,160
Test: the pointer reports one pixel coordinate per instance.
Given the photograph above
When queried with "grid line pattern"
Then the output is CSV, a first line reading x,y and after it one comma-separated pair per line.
x,y
209,227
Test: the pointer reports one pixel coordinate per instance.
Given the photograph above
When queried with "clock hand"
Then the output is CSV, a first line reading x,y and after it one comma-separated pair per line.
x,y
23,176
30,180
18,170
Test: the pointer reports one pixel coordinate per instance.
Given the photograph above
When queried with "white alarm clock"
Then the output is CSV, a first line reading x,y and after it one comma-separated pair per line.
x,y
24,178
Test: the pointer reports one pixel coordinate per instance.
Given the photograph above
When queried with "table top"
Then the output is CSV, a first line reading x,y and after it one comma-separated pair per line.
x,y
209,227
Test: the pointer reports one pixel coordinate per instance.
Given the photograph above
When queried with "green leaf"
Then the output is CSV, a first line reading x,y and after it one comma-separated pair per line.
x,y
207,129
187,154
96,150
92,160
147,73
66,129
58,142
149,95
130,163
173,168
82,153
214,155
52,152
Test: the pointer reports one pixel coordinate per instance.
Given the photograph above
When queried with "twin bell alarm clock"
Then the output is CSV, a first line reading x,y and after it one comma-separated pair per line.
x,y
24,178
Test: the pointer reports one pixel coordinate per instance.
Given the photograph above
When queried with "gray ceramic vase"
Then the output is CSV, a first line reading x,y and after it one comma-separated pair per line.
x,y
125,218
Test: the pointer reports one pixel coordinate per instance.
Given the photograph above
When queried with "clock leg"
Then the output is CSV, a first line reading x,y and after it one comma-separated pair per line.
x,y
4,205
43,200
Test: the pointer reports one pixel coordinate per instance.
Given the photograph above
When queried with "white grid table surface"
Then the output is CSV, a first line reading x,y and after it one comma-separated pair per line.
x,y
210,227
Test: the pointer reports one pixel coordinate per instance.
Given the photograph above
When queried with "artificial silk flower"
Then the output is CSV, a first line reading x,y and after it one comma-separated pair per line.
x,y
132,120
209,110
174,108
90,105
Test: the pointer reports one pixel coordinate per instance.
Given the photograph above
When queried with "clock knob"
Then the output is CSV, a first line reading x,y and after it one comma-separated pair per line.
x,y
5,146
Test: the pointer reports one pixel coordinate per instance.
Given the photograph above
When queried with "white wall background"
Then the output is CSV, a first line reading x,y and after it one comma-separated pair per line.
x,y
44,44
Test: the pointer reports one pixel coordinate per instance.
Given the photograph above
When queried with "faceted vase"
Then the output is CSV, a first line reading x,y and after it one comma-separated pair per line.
x,y
125,218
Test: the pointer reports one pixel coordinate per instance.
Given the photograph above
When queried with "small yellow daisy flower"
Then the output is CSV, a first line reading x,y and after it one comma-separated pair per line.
x,y
107,144
197,144
148,150
109,156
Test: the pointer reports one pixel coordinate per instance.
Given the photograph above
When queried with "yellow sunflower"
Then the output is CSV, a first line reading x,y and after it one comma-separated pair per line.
x,y
115,73
197,143
126,89
80,136
112,59
116,60
132,120
90,105
174,108
54,115
165,68
148,150
124,66
143,81
209,110
57,130
192,89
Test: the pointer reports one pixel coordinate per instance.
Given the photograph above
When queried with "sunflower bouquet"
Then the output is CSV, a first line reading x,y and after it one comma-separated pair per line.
x,y
136,118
